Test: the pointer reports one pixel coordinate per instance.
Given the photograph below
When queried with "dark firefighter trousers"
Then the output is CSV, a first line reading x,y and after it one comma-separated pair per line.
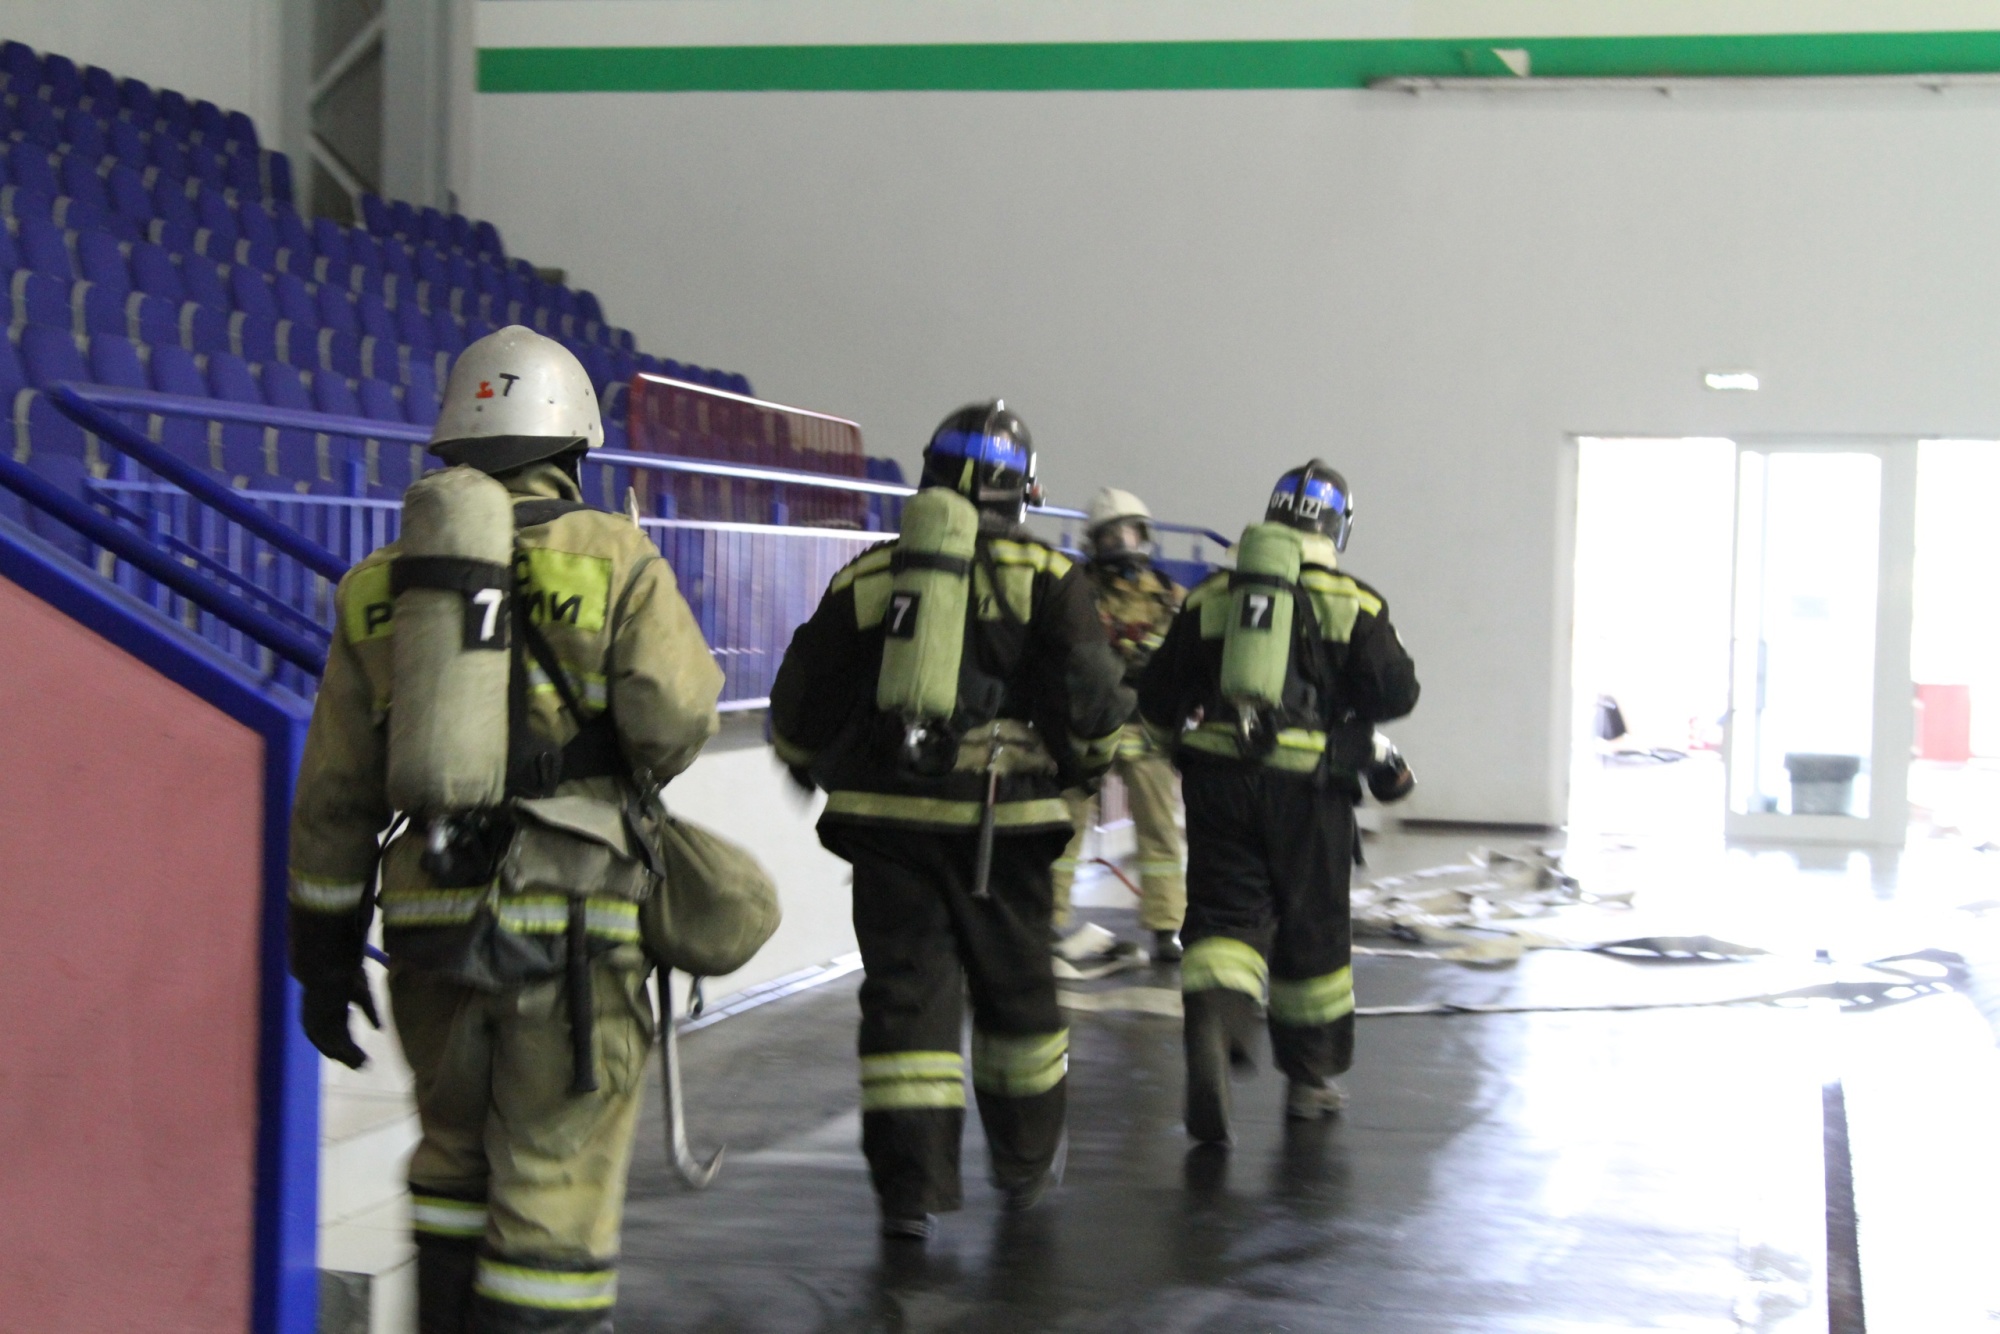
x,y
925,943
1270,856
518,1183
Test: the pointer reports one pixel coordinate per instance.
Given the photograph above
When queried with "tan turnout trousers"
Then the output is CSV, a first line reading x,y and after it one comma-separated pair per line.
x,y
1154,801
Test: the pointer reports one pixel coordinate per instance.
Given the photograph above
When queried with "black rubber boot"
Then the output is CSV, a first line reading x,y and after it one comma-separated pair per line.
x,y
1166,947
1217,1031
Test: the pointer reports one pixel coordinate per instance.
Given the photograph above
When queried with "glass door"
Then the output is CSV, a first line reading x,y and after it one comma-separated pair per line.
x,y
1817,742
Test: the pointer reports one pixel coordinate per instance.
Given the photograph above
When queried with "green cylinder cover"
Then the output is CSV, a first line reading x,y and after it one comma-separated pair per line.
x,y
1257,642
448,710
923,628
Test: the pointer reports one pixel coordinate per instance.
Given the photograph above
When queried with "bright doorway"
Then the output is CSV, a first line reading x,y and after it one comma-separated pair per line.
x,y
1655,525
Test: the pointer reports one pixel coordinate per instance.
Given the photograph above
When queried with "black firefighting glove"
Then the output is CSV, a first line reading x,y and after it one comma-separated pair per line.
x,y
323,1015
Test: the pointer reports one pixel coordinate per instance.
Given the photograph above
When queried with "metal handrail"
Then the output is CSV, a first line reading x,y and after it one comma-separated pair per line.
x,y
121,542
91,406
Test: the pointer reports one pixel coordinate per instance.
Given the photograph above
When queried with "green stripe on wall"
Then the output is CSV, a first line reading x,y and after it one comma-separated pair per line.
x,y
1106,66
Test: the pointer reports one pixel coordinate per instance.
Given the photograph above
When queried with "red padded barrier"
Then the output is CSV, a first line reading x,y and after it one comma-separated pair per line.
x,y
130,859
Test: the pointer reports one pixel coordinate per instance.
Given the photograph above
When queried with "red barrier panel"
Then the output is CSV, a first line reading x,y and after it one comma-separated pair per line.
x,y
1947,723
131,839
694,421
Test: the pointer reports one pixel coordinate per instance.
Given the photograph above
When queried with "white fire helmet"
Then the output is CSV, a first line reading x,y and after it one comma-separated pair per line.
x,y
1111,505
515,398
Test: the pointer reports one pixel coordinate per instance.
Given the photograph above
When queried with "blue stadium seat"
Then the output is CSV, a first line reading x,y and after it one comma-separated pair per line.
x,y
364,250
293,234
378,402
211,169
339,352
21,65
420,391
55,447
155,273
296,345
204,329
212,211
431,227
250,291
76,215
255,224
614,400
115,361
202,279
239,446
330,240
171,109
38,124
586,306
126,192
332,394
100,89
624,365
10,258
253,337
446,333
476,329
486,240
174,372
298,457
103,310
62,79
295,303
128,145
237,128
167,154
170,202
50,354
278,182
374,318
38,299
243,172
413,327
139,99
102,260
336,310
153,320
206,118
169,234
28,169
375,215
79,166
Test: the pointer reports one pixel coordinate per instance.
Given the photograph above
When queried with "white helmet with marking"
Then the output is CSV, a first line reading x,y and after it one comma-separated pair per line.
x,y
515,398
1110,505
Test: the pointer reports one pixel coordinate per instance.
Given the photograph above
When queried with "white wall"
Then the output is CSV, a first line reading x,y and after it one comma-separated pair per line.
x,y
1187,292
224,50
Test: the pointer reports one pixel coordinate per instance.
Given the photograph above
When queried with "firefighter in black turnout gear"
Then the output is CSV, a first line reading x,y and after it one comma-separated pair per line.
x,y
1267,691
949,687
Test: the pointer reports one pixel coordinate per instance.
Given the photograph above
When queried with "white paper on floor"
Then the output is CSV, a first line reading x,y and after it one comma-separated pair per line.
x,y
1489,909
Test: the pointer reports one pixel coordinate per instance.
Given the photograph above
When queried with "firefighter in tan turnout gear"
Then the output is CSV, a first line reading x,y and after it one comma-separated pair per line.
x,y
1137,605
950,686
514,651
1268,689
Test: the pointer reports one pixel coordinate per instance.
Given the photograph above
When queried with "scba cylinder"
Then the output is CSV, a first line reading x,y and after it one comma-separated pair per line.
x,y
1257,643
452,580
923,627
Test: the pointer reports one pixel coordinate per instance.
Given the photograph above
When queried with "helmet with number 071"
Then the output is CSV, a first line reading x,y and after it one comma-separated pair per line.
x,y
515,398
1315,499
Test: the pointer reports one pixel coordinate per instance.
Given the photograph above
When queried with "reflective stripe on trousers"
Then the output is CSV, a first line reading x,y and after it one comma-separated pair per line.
x,y
546,1289
902,1080
1225,963
1313,1000
1019,1067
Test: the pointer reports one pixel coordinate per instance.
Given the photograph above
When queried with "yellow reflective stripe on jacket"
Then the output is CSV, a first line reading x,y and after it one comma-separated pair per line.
x,y
1298,749
587,686
938,810
1031,554
868,562
430,907
546,1289
1337,603
1097,753
1019,1067
441,1217
548,915
1316,1000
318,895
1223,963
904,1080
524,915
790,753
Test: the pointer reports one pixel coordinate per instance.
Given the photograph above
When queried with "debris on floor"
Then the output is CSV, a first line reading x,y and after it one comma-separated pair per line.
x,y
1474,911
1091,952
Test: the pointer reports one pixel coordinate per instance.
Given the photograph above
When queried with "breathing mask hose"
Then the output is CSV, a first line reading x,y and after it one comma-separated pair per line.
x,y
982,873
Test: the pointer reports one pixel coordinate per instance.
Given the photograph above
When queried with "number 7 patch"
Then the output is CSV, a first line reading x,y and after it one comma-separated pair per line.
x,y
900,622
1257,610
486,619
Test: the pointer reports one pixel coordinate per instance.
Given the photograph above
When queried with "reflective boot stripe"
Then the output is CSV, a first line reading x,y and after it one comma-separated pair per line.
x,y
546,1289
1019,1067
318,895
1315,1000
1223,963
440,1217
899,1080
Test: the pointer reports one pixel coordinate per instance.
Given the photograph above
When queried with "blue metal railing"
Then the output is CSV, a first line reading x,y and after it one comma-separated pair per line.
x,y
253,571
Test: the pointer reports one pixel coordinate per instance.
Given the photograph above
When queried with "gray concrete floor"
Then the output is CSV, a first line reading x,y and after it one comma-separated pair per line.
x,y
1548,1172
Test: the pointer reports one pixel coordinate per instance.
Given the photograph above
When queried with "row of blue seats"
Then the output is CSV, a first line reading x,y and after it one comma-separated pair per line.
x,y
273,240
56,81
242,168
